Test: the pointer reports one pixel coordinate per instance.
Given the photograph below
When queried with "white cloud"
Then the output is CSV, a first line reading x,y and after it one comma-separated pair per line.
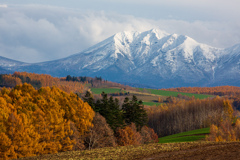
x,y
35,33
3,6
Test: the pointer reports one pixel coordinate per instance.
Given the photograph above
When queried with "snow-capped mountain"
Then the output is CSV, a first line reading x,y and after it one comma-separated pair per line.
x,y
6,65
153,58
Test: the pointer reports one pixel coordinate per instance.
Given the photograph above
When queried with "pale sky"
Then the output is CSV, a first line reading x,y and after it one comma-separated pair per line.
x,y
42,30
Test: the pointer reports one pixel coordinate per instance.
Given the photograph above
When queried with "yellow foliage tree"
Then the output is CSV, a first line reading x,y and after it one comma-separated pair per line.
x,y
6,147
34,122
23,135
228,110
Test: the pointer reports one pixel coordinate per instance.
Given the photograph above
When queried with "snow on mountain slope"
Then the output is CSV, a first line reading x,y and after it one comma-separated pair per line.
x,y
5,62
6,65
153,58
228,68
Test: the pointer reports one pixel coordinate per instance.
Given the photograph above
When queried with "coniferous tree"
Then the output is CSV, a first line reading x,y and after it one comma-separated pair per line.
x,y
104,107
109,108
115,117
89,99
133,112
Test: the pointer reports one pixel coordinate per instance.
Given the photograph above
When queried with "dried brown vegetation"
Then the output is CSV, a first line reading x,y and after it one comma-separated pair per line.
x,y
177,151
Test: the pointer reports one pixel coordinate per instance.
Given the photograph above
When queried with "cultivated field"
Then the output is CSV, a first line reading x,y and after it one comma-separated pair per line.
x,y
173,151
148,96
174,94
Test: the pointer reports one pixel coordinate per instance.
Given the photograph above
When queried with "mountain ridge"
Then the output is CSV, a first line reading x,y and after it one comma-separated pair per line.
x,y
152,58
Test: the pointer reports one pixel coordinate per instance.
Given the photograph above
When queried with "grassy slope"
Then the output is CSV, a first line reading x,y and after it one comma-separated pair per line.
x,y
189,136
106,90
151,103
171,93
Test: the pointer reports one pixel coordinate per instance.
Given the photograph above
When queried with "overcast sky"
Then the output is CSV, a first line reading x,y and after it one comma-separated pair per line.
x,y
42,30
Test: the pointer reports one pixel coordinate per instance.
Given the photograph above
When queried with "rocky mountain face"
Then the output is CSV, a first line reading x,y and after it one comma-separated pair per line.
x,y
150,59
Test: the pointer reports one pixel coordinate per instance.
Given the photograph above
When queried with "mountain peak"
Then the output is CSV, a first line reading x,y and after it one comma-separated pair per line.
x,y
126,36
158,33
153,58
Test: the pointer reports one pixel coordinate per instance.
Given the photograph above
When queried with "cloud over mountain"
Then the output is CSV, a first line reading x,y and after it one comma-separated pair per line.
x,y
36,33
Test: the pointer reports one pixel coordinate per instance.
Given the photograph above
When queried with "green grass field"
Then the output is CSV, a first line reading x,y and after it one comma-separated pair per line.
x,y
106,90
189,136
152,103
171,93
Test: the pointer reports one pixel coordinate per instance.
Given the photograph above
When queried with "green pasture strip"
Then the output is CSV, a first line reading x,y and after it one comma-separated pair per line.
x,y
182,139
106,90
172,93
152,103
188,133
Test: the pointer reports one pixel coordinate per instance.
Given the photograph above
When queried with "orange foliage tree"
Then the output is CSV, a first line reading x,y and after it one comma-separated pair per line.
x,y
225,132
220,90
100,135
42,80
148,135
34,122
128,136
9,81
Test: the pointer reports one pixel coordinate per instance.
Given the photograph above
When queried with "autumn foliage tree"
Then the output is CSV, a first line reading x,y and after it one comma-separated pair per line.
x,y
226,131
41,80
188,115
100,134
128,136
219,90
9,81
148,135
34,122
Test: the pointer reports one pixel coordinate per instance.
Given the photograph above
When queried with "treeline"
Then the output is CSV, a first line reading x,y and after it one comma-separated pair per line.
x,y
68,84
184,115
101,135
232,92
97,82
225,131
84,79
49,120
220,90
40,80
